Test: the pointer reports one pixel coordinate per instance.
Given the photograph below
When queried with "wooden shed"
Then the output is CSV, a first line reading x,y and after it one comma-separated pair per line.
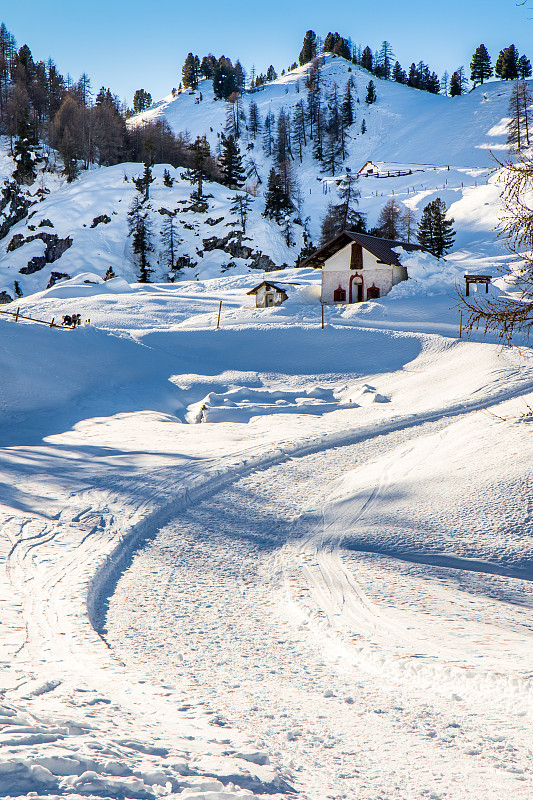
x,y
268,294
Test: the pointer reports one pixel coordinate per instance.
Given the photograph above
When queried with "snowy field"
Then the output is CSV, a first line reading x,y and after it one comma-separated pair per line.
x,y
268,560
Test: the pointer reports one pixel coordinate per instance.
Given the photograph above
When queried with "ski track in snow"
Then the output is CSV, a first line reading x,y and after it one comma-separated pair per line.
x,y
306,652
269,622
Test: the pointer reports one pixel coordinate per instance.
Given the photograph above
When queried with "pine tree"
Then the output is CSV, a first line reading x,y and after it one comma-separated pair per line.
x,y
268,133
308,51
455,85
25,150
271,74
389,222
277,200
524,68
519,113
168,181
298,130
371,96
363,126
201,159
142,184
241,206
383,65
398,74
507,64
190,72
170,241
435,232
141,100
367,59
254,119
480,66
207,67
348,116
231,163
140,230
343,216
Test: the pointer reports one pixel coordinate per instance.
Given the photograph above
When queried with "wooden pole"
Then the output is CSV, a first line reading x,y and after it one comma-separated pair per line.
x,y
17,314
322,316
219,310
460,325
52,323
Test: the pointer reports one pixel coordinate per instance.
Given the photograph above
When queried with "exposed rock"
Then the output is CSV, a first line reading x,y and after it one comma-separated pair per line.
x,y
211,221
17,241
103,218
13,206
233,245
5,298
45,223
55,277
55,247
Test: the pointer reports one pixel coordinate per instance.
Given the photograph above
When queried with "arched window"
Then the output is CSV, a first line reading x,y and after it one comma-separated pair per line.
x,y
339,295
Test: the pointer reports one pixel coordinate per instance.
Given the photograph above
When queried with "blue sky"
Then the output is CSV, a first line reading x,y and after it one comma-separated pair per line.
x,y
129,44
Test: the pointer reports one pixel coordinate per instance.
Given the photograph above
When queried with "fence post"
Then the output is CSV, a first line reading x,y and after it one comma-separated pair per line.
x,y
17,315
52,323
322,307
219,310
460,325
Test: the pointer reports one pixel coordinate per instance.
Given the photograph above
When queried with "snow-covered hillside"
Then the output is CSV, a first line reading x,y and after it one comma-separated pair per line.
x,y
84,226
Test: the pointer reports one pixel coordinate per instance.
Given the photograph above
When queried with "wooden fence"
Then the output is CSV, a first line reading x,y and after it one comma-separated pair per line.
x,y
52,324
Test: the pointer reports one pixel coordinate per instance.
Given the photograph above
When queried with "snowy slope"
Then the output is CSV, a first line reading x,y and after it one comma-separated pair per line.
x,y
332,597
451,138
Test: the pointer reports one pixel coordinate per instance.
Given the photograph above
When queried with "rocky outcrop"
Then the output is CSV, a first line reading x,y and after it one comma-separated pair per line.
x,y
233,245
55,247
5,298
13,206
103,218
55,277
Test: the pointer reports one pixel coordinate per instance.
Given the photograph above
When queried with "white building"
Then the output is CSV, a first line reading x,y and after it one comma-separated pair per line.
x,y
268,294
357,267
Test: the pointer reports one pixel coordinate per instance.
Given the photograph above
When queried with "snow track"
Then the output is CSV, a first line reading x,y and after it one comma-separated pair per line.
x,y
272,624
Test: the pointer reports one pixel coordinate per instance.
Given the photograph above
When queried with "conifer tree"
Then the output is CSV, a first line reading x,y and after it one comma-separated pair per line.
x,y
367,59
277,200
141,100
142,184
207,67
241,206
25,150
524,68
140,230
371,96
383,61
190,72
343,216
507,64
282,149
231,163
309,48
348,116
455,85
520,115
435,232
168,181
201,160
268,133
389,222
299,133
170,242
398,74
254,119
480,66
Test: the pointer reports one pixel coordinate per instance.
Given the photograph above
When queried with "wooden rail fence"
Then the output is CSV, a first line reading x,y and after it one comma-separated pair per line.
x,y
52,324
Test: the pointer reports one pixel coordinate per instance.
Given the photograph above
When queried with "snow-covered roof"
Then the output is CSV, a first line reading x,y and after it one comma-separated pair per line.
x,y
267,285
